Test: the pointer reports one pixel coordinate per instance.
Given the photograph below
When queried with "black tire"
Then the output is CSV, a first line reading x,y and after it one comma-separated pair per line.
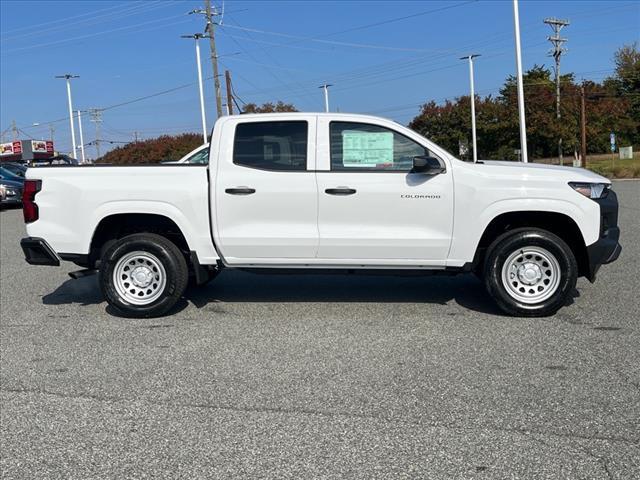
x,y
518,240
171,260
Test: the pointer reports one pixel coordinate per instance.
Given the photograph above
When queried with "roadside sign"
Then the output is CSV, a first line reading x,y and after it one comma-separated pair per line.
x,y
626,153
612,139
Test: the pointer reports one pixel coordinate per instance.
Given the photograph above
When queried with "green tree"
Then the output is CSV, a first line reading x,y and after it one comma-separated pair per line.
x,y
269,107
626,83
610,106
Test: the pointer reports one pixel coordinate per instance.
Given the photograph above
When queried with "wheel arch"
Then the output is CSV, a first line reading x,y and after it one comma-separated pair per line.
x,y
557,223
117,225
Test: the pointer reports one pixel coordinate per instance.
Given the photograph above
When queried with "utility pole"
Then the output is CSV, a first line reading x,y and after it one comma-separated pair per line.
x,y
473,105
556,52
209,13
521,112
227,77
210,29
68,77
81,136
51,129
197,37
583,129
326,95
135,137
96,117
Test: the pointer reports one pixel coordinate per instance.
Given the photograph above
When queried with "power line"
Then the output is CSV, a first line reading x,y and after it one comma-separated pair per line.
x,y
398,19
96,19
379,70
497,38
64,19
93,34
266,52
330,42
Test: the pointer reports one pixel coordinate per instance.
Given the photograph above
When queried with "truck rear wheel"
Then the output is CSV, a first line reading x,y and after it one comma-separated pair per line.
x,y
143,275
530,272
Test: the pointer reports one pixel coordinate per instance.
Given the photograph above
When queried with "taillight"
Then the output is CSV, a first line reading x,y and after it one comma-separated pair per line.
x,y
29,207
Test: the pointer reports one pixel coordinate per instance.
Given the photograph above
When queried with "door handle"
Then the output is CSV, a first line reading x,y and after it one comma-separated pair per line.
x,y
340,191
240,191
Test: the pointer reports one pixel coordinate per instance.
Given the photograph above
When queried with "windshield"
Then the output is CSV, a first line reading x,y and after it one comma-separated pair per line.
x,y
200,158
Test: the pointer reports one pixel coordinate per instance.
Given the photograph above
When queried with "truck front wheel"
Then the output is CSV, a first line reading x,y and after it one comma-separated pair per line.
x,y
143,275
530,272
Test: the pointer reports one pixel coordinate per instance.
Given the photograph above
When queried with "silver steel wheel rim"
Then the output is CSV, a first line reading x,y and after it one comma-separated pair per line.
x,y
531,275
139,278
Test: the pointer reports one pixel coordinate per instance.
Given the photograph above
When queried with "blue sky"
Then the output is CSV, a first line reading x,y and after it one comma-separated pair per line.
x,y
377,61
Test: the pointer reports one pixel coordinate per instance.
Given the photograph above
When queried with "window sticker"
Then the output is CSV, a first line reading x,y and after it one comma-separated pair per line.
x,y
367,149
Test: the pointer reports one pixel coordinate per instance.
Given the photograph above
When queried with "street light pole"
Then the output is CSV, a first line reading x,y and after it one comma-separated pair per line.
x,y
326,95
197,37
68,78
523,124
81,137
473,105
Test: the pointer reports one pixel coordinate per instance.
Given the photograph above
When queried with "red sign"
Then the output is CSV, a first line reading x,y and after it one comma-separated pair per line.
x,y
49,146
17,147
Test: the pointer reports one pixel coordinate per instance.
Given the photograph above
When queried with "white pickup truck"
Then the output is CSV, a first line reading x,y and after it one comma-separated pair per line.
x,y
310,191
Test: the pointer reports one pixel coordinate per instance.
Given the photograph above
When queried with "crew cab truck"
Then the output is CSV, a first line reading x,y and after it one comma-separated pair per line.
x,y
308,191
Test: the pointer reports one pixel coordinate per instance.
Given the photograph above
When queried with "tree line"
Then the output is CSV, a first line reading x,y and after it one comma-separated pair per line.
x,y
612,105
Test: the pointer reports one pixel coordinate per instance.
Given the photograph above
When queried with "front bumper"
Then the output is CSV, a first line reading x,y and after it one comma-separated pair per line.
x,y
607,248
38,252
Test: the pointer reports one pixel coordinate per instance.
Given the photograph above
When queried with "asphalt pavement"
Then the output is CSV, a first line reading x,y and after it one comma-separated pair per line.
x,y
319,376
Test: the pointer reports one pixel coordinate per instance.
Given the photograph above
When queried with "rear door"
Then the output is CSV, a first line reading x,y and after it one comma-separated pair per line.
x,y
266,200
372,209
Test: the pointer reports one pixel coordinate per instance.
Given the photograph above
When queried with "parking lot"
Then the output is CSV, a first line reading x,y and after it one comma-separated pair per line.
x,y
320,376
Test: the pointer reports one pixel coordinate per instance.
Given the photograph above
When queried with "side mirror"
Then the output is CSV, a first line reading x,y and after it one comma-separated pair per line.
x,y
427,165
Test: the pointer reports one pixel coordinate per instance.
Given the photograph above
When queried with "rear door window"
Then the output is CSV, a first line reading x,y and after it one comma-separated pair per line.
x,y
278,146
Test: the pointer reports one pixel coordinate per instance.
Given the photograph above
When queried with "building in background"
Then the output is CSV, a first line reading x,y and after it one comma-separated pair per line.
x,y
26,151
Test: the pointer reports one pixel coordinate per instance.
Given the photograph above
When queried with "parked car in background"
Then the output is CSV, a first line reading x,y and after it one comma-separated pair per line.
x,y
6,174
18,169
10,193
199,156
55,160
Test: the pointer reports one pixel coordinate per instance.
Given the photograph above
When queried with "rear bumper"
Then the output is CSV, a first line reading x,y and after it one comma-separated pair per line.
x,y
607,248
38,252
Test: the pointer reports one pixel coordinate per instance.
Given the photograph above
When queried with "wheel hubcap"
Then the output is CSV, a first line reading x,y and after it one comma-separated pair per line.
x,y
139,278
531,275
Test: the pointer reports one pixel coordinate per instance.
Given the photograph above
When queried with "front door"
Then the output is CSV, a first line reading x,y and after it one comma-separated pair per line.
x,y
266,201
372,210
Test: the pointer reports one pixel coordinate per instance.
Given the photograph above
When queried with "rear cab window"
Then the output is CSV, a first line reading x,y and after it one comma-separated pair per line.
x,y
271,145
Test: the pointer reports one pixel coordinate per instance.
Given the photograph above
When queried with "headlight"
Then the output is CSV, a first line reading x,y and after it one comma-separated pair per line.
x,y
591,190
11,191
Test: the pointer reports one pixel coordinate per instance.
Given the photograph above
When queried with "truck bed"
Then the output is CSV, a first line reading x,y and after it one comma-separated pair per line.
x,y
74,199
